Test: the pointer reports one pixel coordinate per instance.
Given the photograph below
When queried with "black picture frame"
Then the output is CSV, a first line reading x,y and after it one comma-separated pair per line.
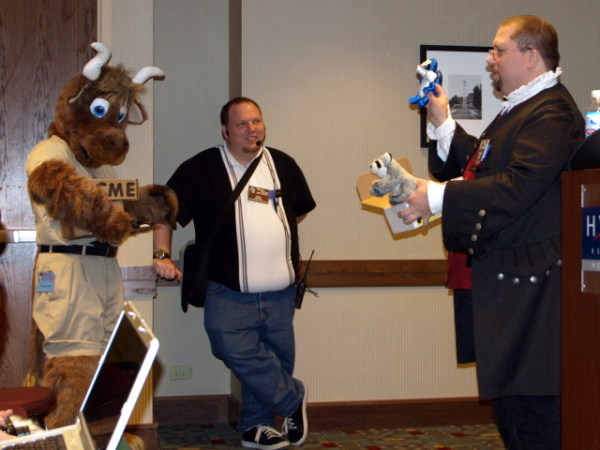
x,y
466,66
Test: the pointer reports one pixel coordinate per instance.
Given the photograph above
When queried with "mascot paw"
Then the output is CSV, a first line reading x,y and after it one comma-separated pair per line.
x,y
116,229
156,204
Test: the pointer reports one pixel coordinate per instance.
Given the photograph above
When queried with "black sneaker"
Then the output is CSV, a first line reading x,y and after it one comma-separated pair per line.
x,y
264,437
296,425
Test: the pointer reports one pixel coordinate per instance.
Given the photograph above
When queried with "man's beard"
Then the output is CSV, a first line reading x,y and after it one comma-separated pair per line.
x,y
496,82
497,85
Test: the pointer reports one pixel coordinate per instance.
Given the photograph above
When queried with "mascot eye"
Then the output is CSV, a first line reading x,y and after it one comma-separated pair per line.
x,y
122,114
99,107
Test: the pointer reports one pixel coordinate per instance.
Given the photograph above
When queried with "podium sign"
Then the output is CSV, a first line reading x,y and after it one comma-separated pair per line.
x,y
590,233
580,398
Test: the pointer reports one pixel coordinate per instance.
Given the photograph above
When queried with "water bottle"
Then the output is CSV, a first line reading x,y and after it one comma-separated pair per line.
x,y
592,115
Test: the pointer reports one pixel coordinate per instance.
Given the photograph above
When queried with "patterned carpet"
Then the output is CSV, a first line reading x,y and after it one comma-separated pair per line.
x,y
223,436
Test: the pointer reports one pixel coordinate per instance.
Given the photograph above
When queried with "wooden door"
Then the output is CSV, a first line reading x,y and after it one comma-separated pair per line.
x,y
43,43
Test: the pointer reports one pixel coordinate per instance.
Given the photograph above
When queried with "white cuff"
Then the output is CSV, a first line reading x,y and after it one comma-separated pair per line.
x,y
443,135
435,196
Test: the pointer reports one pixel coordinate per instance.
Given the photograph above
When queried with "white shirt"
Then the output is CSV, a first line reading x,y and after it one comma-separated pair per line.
x,y
263,235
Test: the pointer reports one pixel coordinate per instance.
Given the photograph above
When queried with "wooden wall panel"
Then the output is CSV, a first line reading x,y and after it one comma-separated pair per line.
x,y
42,44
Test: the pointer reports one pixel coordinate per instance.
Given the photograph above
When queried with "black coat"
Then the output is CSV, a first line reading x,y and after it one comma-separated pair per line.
x,y
508,219
203,187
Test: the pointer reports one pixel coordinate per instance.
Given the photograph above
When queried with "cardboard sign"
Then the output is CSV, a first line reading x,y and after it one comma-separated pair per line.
x,y
117,189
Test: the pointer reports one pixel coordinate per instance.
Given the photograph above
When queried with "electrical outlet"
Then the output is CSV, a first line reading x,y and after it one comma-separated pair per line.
x,y
180,372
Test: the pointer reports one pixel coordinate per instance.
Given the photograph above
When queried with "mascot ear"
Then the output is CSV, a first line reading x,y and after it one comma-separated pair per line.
x,y
136,114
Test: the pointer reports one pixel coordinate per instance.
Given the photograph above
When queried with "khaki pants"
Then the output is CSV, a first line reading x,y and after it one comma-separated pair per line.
x,y
78,311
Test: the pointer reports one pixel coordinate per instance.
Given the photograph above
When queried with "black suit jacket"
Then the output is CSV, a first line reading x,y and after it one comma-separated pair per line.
x,y
508,219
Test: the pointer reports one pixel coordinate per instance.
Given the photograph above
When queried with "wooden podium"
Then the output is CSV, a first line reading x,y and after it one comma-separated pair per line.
x,y
581,310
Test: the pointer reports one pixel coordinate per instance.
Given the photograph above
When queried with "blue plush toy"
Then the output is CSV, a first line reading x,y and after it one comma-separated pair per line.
x,y
429,76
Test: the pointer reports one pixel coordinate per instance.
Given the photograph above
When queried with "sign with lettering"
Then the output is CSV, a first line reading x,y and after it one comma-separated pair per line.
x,y
591,232
118,189
583,228
590,248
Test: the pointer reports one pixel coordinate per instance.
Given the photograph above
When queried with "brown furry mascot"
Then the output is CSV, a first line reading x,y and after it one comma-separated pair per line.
x,y
78,289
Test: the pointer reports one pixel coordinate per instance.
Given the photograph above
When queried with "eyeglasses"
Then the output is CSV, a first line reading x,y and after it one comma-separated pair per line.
x,y
495,53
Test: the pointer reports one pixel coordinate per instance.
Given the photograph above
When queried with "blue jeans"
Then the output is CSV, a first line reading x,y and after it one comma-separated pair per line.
x,y
253,335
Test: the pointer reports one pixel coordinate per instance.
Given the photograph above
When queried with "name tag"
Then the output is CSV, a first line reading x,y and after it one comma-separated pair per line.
x,y
257,194
481,154
46,281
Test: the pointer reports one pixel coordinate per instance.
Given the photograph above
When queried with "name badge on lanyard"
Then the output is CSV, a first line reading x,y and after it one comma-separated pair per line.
x,y
258,194
45,281
481,153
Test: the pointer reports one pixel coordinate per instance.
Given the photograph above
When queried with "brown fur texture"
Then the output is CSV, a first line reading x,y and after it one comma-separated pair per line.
x,y
37,357
97,138
70,377
97,141
134,442
70,199
156,204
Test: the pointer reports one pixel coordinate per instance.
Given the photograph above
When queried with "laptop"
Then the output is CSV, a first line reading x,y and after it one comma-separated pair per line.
x,y
112,395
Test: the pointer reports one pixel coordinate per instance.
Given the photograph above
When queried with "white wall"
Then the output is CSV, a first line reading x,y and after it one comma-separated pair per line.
x,y
333,78
127,29
191,45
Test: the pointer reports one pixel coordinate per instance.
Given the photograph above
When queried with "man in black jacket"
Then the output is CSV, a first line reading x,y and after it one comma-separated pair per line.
x,y
501,207
249,309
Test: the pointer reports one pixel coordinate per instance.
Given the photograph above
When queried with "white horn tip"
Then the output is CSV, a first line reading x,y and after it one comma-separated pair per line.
x,y
99,47
146,73
92,69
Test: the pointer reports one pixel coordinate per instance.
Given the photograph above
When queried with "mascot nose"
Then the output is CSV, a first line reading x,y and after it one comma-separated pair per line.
x,y
116,143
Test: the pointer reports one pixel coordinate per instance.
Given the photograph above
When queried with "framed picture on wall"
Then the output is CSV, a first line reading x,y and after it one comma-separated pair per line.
x,y
466,79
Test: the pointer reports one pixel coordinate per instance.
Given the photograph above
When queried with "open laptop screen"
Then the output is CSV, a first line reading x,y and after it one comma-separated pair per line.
x,y
119,379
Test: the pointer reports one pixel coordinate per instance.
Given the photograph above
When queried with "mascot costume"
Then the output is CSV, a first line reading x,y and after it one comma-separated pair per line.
x,y
78,289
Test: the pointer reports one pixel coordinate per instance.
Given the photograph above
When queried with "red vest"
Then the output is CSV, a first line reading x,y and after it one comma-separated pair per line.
x,y
459,274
